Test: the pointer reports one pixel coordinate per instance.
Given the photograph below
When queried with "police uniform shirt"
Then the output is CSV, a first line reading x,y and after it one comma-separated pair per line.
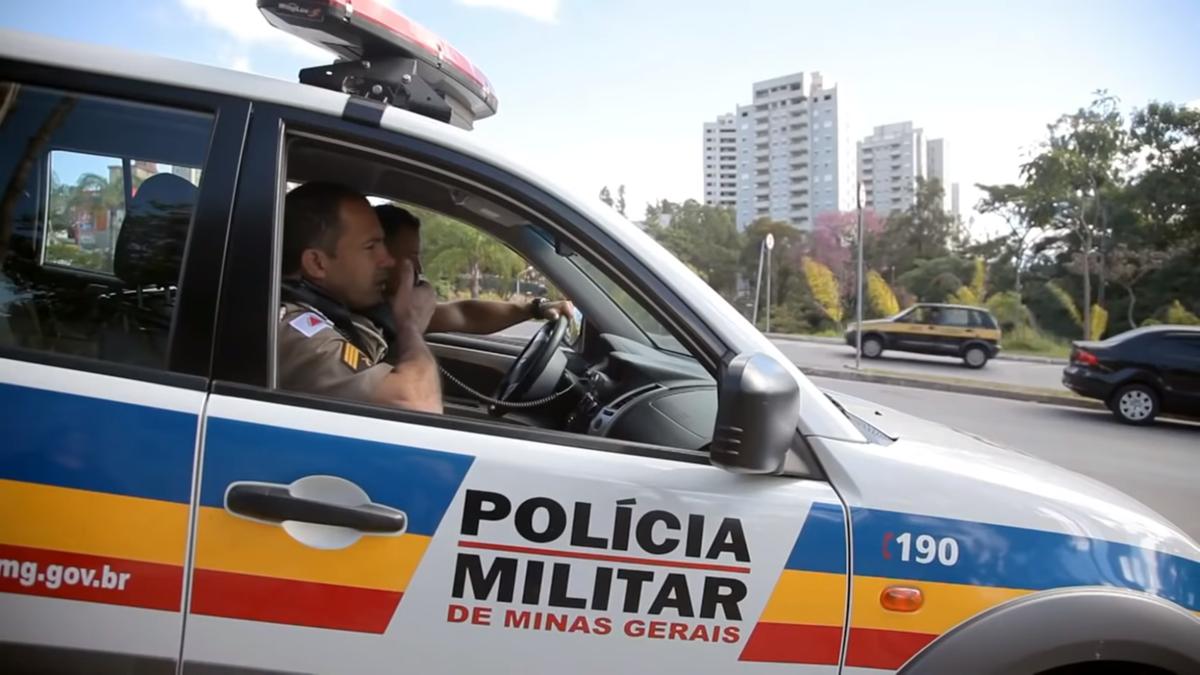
x,y
315,357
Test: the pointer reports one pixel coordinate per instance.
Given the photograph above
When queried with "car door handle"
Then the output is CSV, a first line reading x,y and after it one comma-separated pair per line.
x,y
276,504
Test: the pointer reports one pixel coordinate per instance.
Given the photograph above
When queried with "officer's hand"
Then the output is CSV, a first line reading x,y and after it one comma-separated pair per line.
x,y
413,303
552,310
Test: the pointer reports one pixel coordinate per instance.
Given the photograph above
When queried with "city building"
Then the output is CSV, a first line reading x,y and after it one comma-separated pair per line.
x,y
720,162
935,161
889,162
792,149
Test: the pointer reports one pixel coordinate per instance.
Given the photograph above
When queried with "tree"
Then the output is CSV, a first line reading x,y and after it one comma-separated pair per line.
x,y
881,301
1126,267
824,288
923,231
936,279
705,238
833,243
1167,139
621,199
452,248
785,258
1081,159
1009,201
606,196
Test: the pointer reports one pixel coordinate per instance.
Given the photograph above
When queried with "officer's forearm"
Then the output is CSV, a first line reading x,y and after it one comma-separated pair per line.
x,y
477,316
414,382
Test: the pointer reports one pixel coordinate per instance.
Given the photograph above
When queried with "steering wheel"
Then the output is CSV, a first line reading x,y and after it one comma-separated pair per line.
x,y
527,373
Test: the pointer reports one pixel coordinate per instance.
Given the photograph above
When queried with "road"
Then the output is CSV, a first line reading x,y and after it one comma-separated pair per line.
x,y
1158,465
834,356
1017,373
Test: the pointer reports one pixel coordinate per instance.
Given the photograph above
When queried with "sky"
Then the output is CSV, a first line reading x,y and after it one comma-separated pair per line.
x,y
609,92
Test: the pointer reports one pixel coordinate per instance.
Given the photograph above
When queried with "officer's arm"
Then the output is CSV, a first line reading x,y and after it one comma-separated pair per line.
x,y
414,383
477,316
487,316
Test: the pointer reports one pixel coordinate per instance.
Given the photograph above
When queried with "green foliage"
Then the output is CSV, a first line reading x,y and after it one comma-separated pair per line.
x,y
452,249
924,231
71,255
1099,322
935,279
705,238
881,301
1177,314
1009,311
786,282
824,288
1028,340
1065,302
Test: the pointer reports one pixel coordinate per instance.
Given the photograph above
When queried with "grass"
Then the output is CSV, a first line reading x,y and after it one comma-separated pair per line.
x,y
1025,340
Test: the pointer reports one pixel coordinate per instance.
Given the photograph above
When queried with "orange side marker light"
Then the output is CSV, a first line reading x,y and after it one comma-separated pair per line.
x,y
901,598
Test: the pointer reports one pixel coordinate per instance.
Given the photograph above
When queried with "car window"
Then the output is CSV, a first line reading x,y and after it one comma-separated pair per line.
x,y
654,330
93,238
953,316
1181,346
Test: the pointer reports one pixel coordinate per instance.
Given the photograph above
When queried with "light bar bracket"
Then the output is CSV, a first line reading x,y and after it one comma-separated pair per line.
x,y
391,80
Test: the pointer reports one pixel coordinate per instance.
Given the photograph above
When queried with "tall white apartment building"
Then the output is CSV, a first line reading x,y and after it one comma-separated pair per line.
x,y
794,158
935,162
889,162
720,162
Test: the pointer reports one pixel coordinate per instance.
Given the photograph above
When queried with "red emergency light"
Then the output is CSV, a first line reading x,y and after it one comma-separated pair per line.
x,y
386,56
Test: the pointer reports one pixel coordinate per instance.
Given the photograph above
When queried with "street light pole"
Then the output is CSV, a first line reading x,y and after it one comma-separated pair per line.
x,y
762,250
859,304
769,243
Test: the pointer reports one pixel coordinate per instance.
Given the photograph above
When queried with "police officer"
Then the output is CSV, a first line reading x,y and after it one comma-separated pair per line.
x,y
402,232
336,269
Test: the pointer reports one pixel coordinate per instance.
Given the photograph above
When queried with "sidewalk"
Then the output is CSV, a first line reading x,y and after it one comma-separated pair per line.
x,y
958,386
821,339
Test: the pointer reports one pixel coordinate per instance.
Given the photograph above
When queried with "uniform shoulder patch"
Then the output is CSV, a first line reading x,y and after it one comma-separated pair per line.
x,y
309,323
354,358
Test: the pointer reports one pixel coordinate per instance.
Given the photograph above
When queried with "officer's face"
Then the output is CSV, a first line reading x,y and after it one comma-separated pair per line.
x,y
359,268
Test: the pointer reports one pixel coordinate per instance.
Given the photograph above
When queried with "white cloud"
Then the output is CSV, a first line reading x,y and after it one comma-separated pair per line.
x,y
242,22
541,10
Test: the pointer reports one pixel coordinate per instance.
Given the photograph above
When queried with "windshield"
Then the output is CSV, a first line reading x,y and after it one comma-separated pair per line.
x,y
654,330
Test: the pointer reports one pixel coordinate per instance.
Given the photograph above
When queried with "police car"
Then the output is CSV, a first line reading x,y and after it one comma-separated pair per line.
x,y
691,504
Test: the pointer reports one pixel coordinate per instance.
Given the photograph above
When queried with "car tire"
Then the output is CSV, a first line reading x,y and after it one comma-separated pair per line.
x,y
1135,404
975,357
872,346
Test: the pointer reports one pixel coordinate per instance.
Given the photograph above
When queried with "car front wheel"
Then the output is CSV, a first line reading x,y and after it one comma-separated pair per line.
x,y
1135,404
975,357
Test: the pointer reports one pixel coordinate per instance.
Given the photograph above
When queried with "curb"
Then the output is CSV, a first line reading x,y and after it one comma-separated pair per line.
x,y
877,377
820,339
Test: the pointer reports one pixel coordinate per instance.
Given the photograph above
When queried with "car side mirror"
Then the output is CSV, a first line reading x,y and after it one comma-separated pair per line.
x,y
758,409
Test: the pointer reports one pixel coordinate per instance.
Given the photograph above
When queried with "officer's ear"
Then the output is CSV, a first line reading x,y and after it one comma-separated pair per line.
x,y
314,263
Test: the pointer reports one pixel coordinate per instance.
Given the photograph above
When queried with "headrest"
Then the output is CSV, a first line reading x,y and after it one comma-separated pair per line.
x,y
152,238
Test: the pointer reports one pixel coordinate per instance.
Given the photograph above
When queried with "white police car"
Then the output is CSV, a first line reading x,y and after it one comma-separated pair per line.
x,y
693,504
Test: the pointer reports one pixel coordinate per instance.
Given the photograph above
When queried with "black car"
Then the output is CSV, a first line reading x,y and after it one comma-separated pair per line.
x,y
1140,373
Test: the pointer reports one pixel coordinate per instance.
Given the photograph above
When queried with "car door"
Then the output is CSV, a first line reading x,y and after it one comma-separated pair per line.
x,y
341,537
1179,364
913,331
952,328
105,337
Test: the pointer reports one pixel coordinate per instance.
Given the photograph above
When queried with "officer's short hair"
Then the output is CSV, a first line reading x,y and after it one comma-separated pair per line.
x,y
311,220
394,219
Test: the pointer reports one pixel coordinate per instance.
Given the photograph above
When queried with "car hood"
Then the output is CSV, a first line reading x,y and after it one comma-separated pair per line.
x,y
945,470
